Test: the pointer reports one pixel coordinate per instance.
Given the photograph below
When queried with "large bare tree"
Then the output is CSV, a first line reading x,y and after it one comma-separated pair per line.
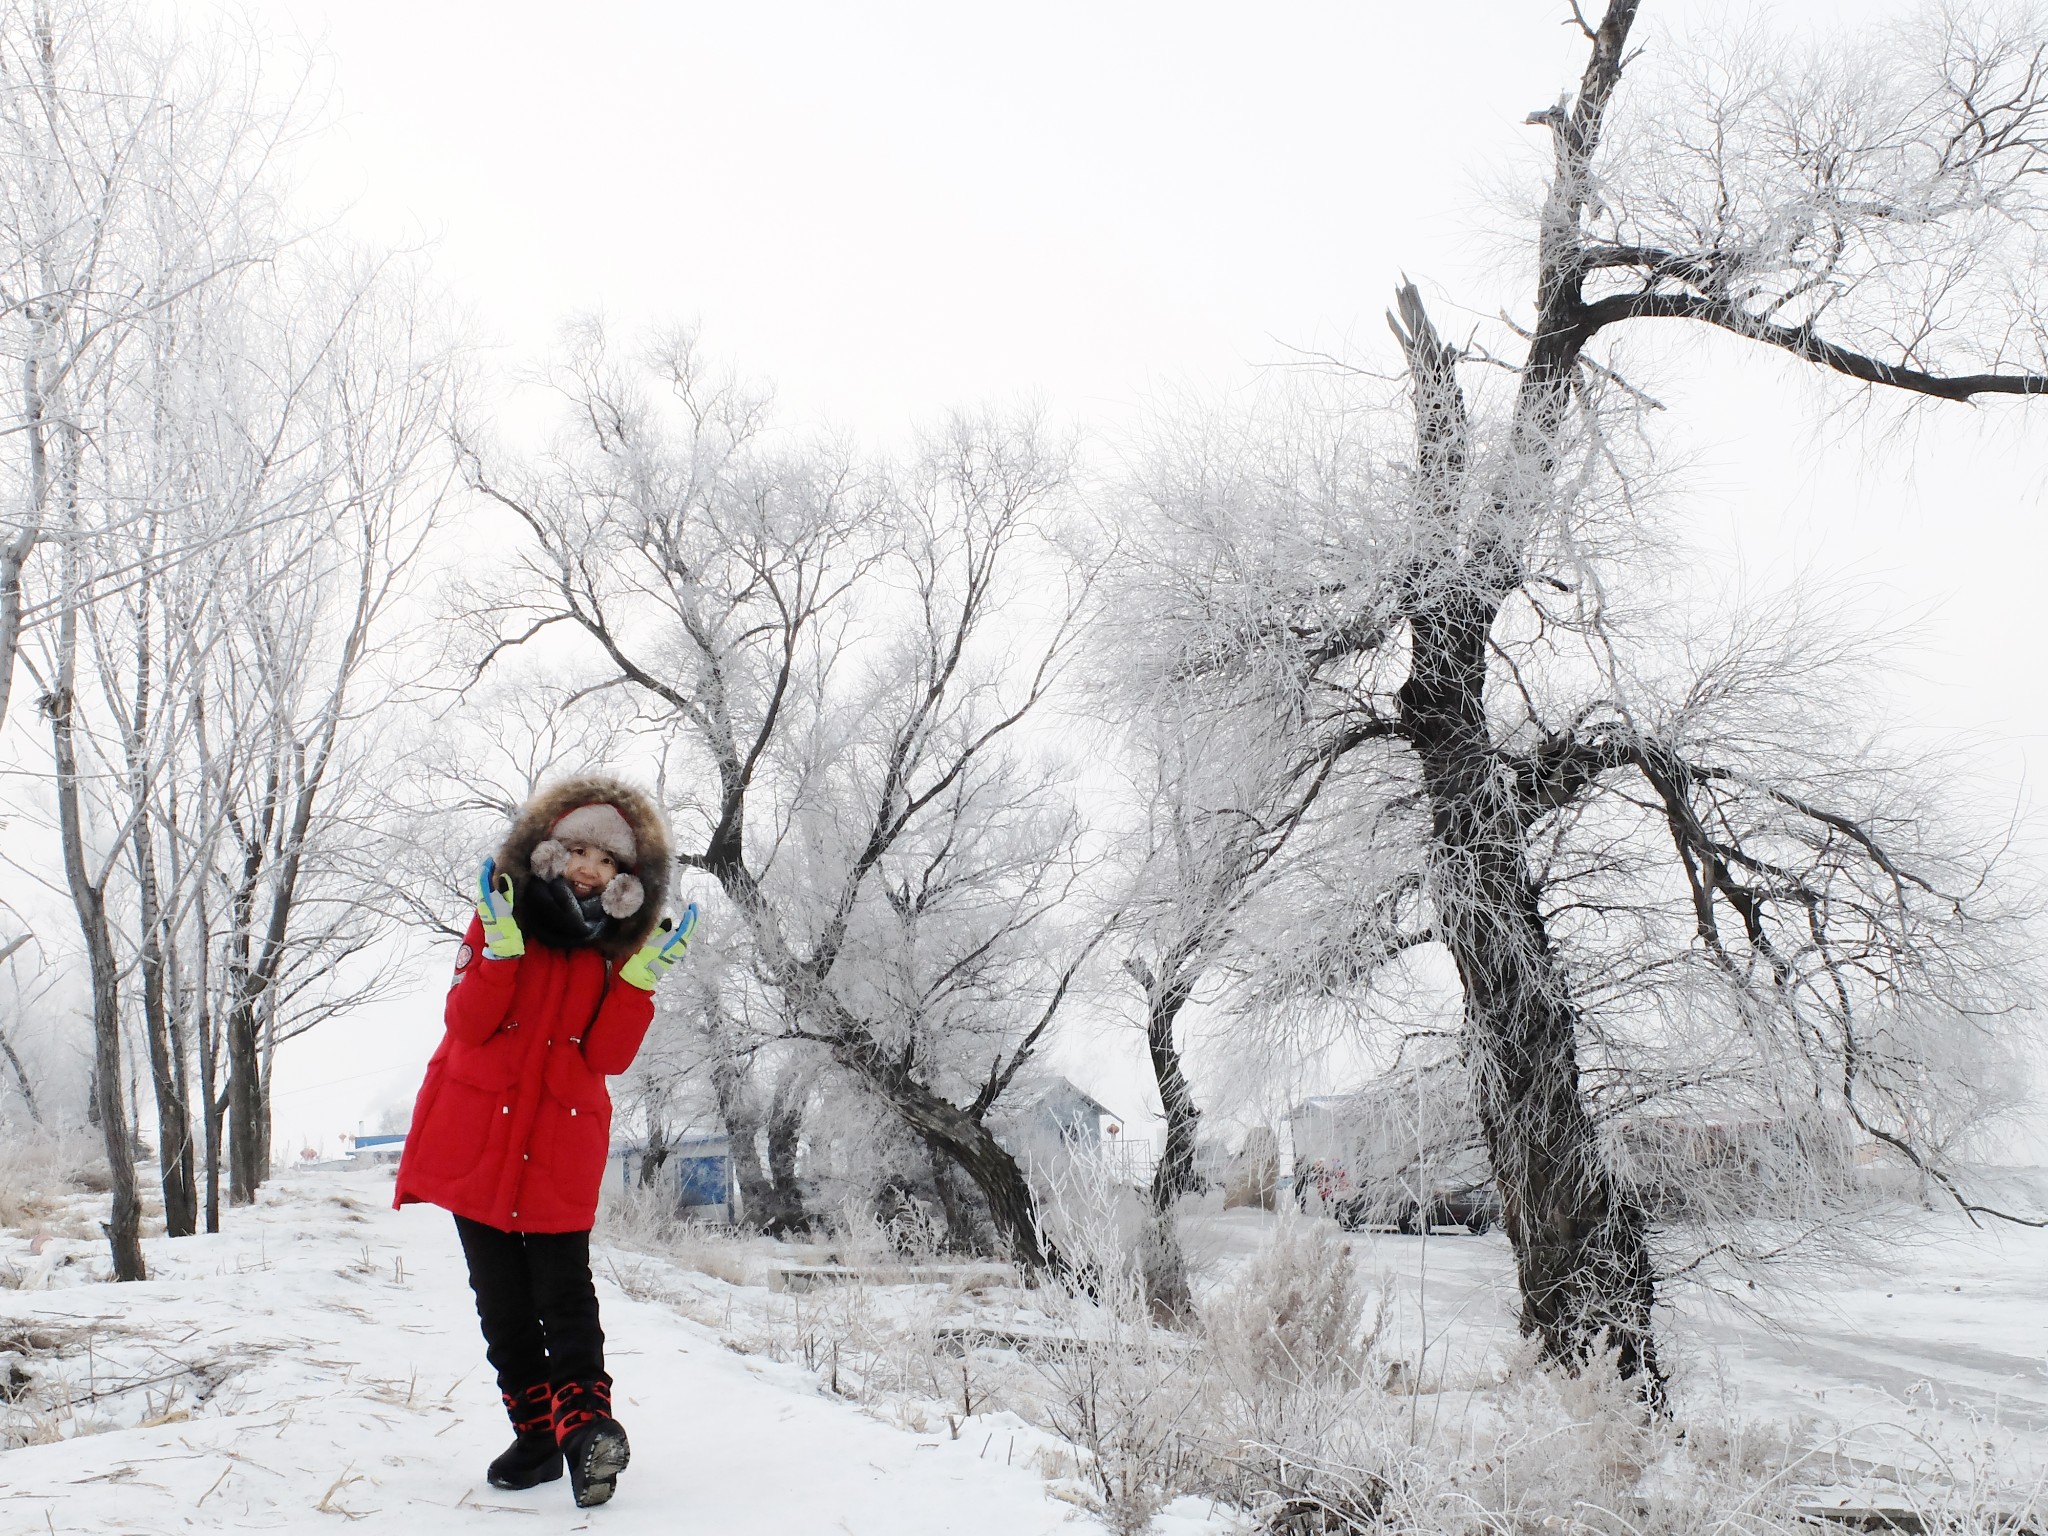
x,y
830,644
1634,853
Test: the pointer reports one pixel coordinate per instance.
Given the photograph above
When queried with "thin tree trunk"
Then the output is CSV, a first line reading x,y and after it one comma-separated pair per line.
x,y
245,1172
735,1098
212,1105
28,1091
266,1060
173,1118
124,1224
213,1114
785,1130
13,556
1174,1174
248,1153
35,495
960,1224
1164,1261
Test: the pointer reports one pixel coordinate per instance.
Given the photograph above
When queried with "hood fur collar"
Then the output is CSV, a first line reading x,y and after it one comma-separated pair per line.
x,y
554,801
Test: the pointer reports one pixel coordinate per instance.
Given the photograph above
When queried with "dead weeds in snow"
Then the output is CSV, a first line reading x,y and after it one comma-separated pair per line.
x,y
61,1380
1283,1401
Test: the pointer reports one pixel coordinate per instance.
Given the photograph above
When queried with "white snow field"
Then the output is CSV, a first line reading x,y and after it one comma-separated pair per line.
x,y
1936,1359
318,1368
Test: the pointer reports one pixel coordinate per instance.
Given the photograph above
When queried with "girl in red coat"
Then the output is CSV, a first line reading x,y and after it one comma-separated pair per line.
x,y
554,990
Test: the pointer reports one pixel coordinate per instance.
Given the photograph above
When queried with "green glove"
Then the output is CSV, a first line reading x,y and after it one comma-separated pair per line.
x,y
502,938
659,955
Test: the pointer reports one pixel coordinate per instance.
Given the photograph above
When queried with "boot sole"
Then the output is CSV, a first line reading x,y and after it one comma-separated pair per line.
x,y
599,1466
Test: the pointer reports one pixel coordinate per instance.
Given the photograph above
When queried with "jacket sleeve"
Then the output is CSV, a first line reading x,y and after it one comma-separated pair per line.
x,y
614,1036
482,994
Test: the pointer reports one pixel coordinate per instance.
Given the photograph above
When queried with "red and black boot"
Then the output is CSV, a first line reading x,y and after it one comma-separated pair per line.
x,y
593,1444
535,1456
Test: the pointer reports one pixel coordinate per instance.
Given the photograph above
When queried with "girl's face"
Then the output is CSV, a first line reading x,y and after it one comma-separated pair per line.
x,y
590,869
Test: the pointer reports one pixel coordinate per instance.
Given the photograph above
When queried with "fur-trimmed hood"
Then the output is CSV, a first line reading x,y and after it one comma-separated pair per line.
x,y
550,804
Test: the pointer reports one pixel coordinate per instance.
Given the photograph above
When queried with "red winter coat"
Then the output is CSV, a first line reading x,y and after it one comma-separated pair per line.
x,y
513,1124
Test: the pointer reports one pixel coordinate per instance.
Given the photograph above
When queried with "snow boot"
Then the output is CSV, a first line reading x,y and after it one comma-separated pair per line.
x,y
593,1444
535,1456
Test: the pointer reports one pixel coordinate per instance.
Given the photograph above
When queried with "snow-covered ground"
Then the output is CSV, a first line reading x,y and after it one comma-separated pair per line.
x,y
321,1360
1937,1352
319,1363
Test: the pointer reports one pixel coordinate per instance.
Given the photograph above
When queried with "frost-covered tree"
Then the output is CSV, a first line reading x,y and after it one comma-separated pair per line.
x,y
137,186
1673,875
843,657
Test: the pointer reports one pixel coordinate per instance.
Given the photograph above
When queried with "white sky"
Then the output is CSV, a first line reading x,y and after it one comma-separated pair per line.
x,y
893,208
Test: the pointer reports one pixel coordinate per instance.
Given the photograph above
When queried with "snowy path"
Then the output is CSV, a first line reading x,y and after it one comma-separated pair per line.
x,y
354,1386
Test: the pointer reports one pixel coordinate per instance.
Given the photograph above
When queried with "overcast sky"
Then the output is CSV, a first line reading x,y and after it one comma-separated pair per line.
x,y
890,209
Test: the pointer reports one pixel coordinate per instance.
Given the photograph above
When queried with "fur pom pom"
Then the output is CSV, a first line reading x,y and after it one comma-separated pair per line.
x,y
549,859
623,896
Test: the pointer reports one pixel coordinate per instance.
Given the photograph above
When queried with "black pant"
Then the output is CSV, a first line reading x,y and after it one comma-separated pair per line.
x,y
536,1303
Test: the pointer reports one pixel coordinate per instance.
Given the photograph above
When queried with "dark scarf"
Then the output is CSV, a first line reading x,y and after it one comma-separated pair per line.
x,y
553,914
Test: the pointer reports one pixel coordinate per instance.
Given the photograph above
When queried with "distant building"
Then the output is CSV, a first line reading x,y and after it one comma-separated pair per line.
x,y
376,1149
695,1170
1045,1119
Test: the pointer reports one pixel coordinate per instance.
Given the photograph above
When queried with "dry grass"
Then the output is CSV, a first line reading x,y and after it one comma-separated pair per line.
x,y
1280,1401
41,1175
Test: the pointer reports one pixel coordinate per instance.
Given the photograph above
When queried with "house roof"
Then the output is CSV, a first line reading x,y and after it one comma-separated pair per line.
x,y
1053,1088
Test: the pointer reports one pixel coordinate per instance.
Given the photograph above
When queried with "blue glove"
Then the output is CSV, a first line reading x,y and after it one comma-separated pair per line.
x,y
502,938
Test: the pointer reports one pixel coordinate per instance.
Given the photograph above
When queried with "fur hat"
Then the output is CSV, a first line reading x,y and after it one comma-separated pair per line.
x,y
607,813
599,825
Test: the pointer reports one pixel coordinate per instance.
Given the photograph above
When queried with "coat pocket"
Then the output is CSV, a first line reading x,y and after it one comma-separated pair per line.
x,y
461,1127
571,1083
573,1133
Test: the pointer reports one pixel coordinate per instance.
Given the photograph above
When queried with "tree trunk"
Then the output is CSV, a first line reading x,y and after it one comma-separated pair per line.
x,y
266,1059
1163,1261
973,1148
785,1129
212,1102
28,1091
655,1156
13,556
216,1123
88,898
35,495
960,1225
21,1081
1174,1174
173,1116
124,1224
737,1108
1580,1240
248,1150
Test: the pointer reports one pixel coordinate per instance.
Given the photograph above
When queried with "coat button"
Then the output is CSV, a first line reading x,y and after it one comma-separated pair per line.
x,y
526,1157
506,1110
515,1215
572,1113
